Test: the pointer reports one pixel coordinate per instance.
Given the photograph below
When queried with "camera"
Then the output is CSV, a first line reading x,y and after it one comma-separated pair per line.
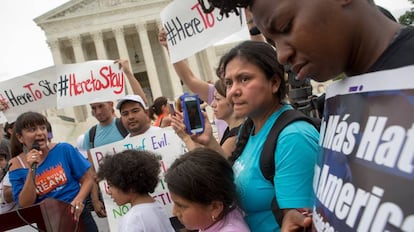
x,y
193,118
301,97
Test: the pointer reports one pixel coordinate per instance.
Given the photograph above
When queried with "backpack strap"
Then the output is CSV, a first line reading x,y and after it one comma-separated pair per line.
x,y
122,130
92,133
267,157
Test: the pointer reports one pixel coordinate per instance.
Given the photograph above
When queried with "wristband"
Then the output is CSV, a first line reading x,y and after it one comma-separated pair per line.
x,y
254,31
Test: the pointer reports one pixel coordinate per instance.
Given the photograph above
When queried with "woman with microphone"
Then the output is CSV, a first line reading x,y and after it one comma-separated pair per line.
x,y
43,170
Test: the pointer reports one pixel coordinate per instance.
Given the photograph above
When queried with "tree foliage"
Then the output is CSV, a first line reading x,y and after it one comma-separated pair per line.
x,y
408,17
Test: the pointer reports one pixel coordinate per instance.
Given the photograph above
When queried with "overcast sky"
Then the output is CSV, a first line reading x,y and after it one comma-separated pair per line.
x,y
23,47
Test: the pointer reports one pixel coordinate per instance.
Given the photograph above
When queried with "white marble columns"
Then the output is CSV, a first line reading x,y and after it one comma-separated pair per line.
x,y
149,61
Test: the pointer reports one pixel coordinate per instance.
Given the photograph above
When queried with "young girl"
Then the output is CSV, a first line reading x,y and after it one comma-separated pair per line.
x,y
131,176
204,194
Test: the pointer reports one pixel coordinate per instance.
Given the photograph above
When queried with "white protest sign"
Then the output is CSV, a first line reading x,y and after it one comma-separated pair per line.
x,y
92,81
34,91
190,30
62,86
3,118
367,154
163,142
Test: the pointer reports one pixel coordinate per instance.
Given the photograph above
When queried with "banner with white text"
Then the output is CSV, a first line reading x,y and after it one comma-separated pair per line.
x,y
365,178
164,143
190,30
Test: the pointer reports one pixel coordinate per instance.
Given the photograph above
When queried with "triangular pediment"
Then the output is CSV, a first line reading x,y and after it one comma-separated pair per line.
x,y
77,8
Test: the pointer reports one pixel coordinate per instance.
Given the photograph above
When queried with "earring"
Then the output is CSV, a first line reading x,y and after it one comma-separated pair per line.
x,y
213,218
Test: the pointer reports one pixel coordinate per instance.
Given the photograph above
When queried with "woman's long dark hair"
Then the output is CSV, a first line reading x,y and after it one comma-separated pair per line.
x,y
264,57
24,121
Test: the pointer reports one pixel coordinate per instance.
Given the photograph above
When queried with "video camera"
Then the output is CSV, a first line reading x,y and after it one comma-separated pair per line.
x,y
301,97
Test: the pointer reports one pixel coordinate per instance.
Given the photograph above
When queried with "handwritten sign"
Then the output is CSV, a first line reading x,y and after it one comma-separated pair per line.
x,y
93,81
365,178
62,86
35,91
190,30
163,142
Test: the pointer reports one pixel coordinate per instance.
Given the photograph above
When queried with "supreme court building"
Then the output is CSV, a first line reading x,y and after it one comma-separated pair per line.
x,y
83,30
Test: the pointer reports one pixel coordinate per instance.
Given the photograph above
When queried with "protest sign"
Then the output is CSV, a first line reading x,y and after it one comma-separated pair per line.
x,y
190,30
34,91
62,86
163,142
365,178
92,81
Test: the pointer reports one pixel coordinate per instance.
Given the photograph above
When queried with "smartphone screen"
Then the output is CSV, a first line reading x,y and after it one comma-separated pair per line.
x,y
172,110
193,113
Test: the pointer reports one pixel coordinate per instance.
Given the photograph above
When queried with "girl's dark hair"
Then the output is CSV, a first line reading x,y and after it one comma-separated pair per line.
x,y
220,87
203,176
24,121
131,170
156,108
262,55
6,128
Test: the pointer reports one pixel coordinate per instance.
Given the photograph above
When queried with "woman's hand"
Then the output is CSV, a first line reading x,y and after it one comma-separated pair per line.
x,y
295,220
76,209
178,125
33,156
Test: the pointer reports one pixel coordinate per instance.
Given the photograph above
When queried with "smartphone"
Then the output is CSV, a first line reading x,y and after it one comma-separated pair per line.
x,y
172,110
193,118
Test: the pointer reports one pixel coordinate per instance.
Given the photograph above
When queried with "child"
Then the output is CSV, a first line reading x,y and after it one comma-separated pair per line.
x,y
131,176
204,194
6,200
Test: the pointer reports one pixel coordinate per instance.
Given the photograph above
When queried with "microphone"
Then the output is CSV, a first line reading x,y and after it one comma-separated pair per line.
x,y
35,146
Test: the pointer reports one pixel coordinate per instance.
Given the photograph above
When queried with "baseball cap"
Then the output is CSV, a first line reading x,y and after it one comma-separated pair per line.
x,y
134,98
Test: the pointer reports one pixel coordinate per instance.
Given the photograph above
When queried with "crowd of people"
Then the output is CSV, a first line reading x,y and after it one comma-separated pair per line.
x,y
217,185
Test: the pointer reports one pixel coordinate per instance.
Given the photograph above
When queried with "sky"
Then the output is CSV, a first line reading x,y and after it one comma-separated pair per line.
x,y
23,43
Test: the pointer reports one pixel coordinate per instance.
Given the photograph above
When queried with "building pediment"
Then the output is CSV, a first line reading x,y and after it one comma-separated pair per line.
x,y
79,8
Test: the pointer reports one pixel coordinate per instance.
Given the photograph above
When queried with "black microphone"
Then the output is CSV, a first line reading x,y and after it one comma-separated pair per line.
x,y
35,146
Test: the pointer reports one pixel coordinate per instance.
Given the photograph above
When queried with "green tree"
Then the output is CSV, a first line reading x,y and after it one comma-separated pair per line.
x,y
408,17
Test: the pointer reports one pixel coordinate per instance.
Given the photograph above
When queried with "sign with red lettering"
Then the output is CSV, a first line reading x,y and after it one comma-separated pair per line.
x,y
62,86
34,91
190,30
93,81
164,142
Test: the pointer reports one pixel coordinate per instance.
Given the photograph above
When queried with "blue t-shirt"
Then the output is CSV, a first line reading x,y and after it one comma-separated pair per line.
x,y
104,135
57,176
295,158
